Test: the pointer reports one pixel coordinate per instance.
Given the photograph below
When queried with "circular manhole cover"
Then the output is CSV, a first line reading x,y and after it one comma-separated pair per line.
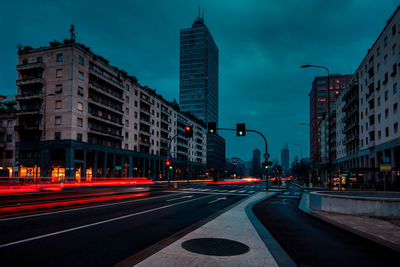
x,y
215,246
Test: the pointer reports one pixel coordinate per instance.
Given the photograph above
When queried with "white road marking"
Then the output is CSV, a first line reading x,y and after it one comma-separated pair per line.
x,y
218,199
215,193
97,223
179,198
232,191
251,192
242,191
83,208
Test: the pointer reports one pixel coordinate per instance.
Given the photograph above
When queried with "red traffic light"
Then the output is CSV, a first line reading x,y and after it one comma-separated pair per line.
x,y
167,163
187,128
188,131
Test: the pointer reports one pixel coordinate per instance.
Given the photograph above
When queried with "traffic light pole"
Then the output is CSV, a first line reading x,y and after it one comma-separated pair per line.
x,y
266,148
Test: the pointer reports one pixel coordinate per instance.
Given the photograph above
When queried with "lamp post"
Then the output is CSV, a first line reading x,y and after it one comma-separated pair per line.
x,y
328,115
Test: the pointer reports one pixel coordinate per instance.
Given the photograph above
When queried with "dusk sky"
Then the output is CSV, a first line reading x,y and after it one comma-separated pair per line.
x,y
261,47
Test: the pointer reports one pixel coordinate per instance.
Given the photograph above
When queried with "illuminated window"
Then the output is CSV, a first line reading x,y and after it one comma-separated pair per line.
x,y
59,73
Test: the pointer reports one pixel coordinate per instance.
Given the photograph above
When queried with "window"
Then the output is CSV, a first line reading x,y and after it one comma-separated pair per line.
x,y
385,42
58,88
135,103
387,131
58,120
396,128
136,92
386,113
126,146
378,51
135,114
9,154
80,75
127,87
127,99
386,95
394,30
379,101
394,108
385,59
126,123
135,126
9,138
79,106
379,135
60,58
394,49
80,91
58,104
79,137
126,111
39,59
395,88
57,135
126,135
81,60
80,122
135,137
59,73
379,118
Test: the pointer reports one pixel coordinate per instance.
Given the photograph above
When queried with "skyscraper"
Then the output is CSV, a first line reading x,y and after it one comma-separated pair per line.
x,y
285,157
198,85
256,163
198,79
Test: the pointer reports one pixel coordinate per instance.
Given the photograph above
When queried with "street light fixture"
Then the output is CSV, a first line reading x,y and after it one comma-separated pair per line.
x,y
328,115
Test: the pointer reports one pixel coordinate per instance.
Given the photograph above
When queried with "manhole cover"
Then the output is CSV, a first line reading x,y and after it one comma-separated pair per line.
x,y
215,246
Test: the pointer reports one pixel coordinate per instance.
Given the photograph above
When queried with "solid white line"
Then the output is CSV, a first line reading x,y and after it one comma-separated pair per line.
x,y
83,208
97,223
232,191
215,193
242,191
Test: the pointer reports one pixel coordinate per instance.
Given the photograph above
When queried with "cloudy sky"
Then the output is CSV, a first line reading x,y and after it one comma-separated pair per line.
x,y
261,47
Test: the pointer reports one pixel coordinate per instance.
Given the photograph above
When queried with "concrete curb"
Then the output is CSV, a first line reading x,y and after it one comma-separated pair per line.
x,y
365,235
279,254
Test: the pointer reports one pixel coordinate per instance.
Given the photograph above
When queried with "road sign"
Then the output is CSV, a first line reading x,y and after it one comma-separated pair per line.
x,y
385,168
266,156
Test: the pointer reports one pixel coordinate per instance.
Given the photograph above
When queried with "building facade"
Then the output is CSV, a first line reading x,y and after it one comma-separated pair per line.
x,y
7,133
319,106
256,169
285,157
369,135
198,84
78,116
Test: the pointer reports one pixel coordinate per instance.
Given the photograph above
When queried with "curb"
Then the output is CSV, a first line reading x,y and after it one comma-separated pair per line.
x,y
279,254
365,235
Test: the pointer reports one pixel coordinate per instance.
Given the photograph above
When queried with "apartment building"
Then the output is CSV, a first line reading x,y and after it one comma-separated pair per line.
x,y
370,109
7,134
78,116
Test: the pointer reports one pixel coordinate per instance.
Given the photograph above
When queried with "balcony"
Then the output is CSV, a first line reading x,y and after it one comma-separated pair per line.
x,y
105,105
106,133
145,122
29,96
27,128
106,91
104,120
163,138
35,65
143,130
30,81
145,100
118,84
164,111
145,111
144,143
29,112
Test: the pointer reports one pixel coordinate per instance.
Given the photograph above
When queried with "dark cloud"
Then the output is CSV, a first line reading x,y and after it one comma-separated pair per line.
x,y
261,45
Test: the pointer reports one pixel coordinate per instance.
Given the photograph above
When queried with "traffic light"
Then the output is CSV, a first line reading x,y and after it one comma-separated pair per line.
x,y
168,163
188,131
265,164
212,127
240,129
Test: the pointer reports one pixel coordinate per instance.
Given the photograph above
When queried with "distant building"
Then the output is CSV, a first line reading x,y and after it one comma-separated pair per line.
x,y
7,134
319,106
198,83
285,157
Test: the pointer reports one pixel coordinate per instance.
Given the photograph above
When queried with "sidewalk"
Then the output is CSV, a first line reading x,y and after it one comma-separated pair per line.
x,y
381,231
229,240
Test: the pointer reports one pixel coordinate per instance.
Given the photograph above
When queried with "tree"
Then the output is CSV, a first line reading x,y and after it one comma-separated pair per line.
x,y
301,170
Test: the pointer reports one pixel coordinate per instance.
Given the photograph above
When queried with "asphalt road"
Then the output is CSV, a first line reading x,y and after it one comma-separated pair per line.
x,y
104,234
311,242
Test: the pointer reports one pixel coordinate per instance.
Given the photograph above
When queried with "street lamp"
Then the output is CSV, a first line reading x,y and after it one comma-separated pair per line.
x,y
328,115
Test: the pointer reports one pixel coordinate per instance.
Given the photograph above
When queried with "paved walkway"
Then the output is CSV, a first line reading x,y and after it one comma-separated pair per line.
x,y
232,225
381,231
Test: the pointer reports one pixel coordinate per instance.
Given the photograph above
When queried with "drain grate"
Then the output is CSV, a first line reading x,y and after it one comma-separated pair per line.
x,y
215,246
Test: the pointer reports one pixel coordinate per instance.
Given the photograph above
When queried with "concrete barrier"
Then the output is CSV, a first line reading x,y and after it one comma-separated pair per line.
x,y
372,204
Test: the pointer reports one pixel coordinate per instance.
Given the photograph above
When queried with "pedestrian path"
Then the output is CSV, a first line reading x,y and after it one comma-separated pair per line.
x,y
381,231
244,247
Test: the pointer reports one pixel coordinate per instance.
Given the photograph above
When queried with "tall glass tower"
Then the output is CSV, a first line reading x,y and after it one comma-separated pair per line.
x,y
198,78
